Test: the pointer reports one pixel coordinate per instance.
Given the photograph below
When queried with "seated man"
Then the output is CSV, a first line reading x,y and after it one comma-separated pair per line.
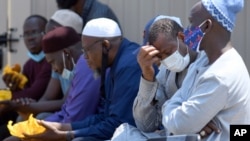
x,y
217,85
36,69
62,49
52,100
104,48
161,32
165,34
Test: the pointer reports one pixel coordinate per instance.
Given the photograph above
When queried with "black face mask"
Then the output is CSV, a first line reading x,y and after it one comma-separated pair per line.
x,y
105,52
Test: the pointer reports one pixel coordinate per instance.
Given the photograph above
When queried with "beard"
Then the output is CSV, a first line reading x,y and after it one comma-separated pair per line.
x,y
97,73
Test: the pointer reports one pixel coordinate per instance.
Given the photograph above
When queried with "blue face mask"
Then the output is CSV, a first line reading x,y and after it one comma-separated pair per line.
x,y
67,74
36,57
193,37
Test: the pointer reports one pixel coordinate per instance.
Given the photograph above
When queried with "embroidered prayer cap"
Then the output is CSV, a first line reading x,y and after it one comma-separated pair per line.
x,y
60,38
153,20
224,11
66,17
101,27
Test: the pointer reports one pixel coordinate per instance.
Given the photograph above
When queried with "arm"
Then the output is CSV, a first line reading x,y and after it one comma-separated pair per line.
x,y
41,106
206,101
37,88
145,110
53,90
49,102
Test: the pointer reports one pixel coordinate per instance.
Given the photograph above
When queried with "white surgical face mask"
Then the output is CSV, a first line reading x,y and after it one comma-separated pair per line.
x,y
176,62
67,74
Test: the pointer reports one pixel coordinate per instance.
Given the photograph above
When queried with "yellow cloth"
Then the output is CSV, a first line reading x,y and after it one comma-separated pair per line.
x,y
5,95
15,71
29,127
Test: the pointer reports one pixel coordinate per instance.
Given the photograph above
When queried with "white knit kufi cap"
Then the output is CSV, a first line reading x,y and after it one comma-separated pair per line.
x,y
101,27
69,18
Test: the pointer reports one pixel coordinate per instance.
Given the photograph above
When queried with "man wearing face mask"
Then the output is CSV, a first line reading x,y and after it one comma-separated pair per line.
x,y
164,34
57,89
166,46
217,85
104,48
62,47
36,69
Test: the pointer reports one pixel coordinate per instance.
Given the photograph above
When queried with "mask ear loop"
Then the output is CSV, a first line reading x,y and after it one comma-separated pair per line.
x,y
64,64
103,70
178,44
202,23
73,62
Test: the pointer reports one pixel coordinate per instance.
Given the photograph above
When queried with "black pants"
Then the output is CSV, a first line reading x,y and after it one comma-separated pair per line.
x,y
4,132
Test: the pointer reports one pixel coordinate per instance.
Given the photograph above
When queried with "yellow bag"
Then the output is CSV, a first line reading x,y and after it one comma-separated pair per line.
x,y
5,95
29,127
15,71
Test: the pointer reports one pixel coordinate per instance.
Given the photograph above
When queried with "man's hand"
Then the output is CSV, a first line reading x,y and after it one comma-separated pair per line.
x,y
11,81
208,129
52,132
146,57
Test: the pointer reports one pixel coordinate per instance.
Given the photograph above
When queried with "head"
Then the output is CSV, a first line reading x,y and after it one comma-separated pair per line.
x,y
75,5
59,46
152,21
215,19
65,17
33,30
166,36
100,42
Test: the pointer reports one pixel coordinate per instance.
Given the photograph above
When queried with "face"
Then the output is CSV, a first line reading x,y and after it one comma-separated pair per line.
x,y
92,49
56,61
196,16
167,46
32,34
78,7
199,18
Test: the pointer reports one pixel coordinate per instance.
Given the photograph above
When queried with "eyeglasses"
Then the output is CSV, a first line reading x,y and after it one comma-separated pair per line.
x,y
32,34
90,47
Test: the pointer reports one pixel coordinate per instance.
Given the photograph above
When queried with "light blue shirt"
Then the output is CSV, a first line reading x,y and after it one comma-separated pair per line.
x,y
219,92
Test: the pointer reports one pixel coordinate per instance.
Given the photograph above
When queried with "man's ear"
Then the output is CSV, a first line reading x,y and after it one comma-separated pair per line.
x,y
66,52
209,25
106,44
181,36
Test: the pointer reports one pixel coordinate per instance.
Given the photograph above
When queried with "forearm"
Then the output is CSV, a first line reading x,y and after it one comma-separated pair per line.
x,y
145,109
43,106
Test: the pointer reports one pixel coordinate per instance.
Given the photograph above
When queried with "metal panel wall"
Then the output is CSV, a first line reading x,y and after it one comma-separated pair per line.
x,y
134,14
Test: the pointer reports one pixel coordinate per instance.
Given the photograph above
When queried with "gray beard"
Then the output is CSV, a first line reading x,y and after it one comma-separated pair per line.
x,y
96,74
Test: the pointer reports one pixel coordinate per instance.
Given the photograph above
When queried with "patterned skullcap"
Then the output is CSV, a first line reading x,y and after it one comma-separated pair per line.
x,y
224,11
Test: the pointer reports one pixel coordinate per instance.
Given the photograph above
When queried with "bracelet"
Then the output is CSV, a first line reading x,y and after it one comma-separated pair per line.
x,y
69,136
